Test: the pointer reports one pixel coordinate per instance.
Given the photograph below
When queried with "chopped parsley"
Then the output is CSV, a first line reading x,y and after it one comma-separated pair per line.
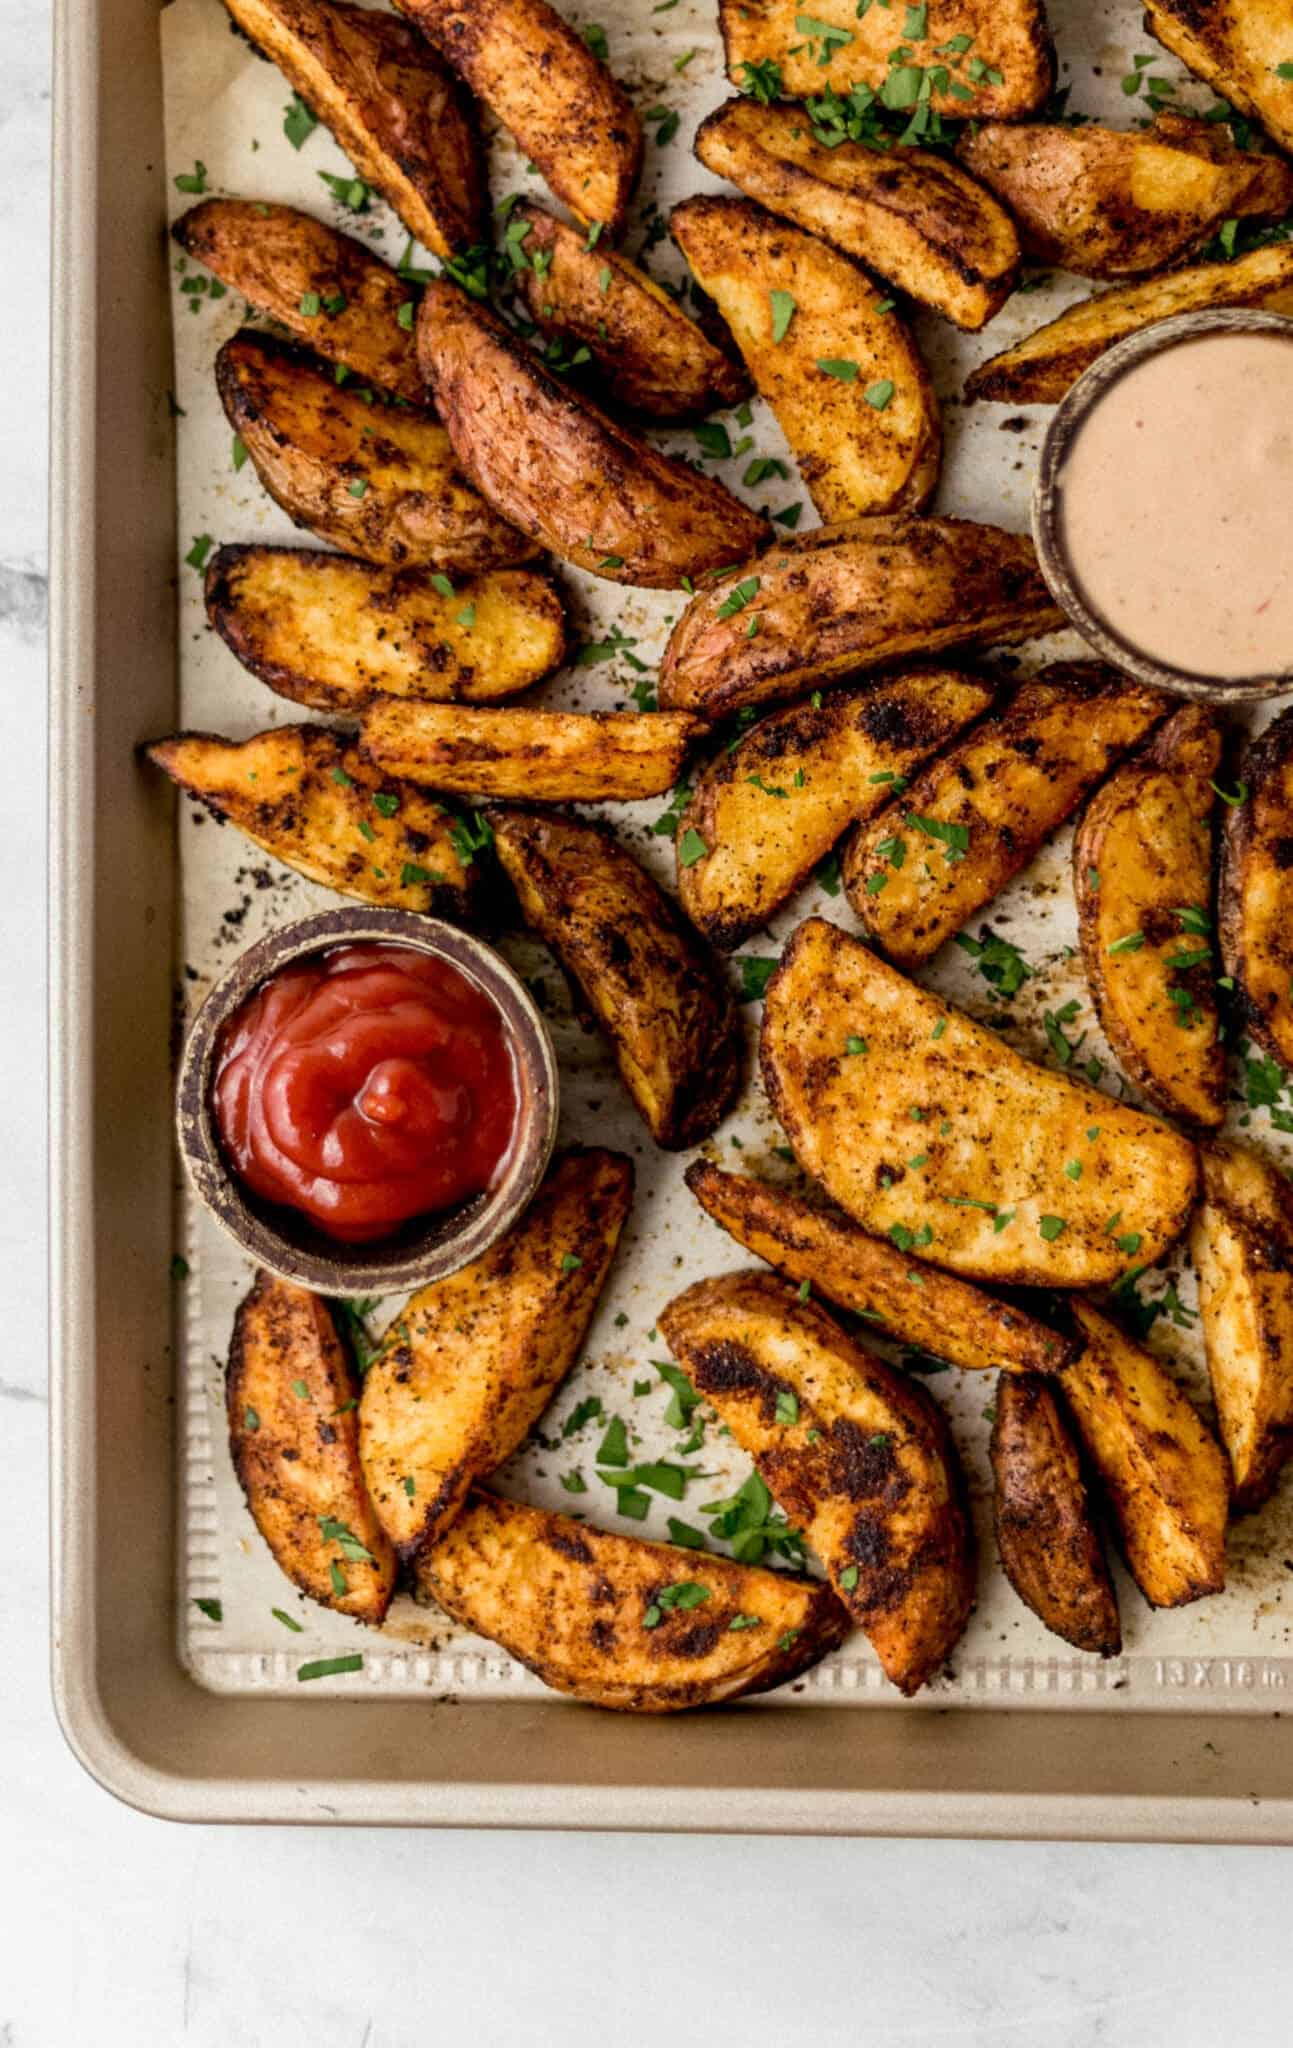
x,y
331,1667
1001,964
213,1609
299,123
783,312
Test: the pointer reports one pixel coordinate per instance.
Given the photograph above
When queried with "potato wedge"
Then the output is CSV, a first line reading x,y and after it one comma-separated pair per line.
x,y
558,101
859,1458
1047,1537
1142,864
335,633
1039,369
769,808
1255,891
1106,203
306,795
558,467
1012,74
976,816
297,1454
925,1127
915,218
1241,47
847,383
327,289
379,482
649,355
865,595
474,1359
1242,1244
397,110
652,985
583,1610
944,1316
545,756
1164,1473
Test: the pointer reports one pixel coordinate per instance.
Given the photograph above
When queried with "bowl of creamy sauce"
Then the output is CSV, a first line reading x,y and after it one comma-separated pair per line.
x,y
1163,510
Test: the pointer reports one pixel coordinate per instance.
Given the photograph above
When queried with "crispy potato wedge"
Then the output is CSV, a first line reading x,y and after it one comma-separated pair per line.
x,y
913,217
1009,38
327,289
977,815
865,595
653,987
582,1609
944,1316
397,111
306,795
335,633
558,101
1242,1244
1255,891
1164,1473
475,1358
924,1126
1107,203
1039,369
1142,864
379,482
768,809
545,756
847,383
562,470
297,1455
1047,1537
859,1458
648,354
1241,47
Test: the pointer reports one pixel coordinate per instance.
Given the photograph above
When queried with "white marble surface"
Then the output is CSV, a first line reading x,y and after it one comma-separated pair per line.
x,y
116,1929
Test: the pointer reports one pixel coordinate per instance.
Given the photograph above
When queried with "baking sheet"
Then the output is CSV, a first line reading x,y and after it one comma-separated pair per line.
x,y
225,110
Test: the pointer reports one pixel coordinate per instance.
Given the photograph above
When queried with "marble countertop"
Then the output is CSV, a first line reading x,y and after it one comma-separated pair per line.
x,y
116,1929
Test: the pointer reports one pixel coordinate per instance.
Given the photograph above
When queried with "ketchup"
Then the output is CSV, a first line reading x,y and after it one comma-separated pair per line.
x,y
364,1086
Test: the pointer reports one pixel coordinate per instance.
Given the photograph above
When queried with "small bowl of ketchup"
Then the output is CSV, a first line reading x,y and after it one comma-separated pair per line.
x,y
367,1100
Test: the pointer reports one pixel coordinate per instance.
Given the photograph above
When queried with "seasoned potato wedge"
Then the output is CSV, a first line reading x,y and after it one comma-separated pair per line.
x,y
915,218
475,1358
329,290
865,595
1047,1537
1013,74
379,482
1242,1243
1241,47
924,1126
335,633
547,756
653,987
769,808
397,111
1164,1473
619,1622
846,383
944,1316
859,1458
649,355
572,478
558,101
1255,891
977,815
297,1454
305,794
1106,203
1039,369
1142,875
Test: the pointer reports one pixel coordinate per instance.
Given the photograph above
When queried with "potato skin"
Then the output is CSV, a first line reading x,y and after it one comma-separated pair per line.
x,y
571,1603
1142,851
278,257
541,756
297,1456
562,470
652,985
855,456
1255,890
917,219
397,111
1236,45
1242,1245
1047,1537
